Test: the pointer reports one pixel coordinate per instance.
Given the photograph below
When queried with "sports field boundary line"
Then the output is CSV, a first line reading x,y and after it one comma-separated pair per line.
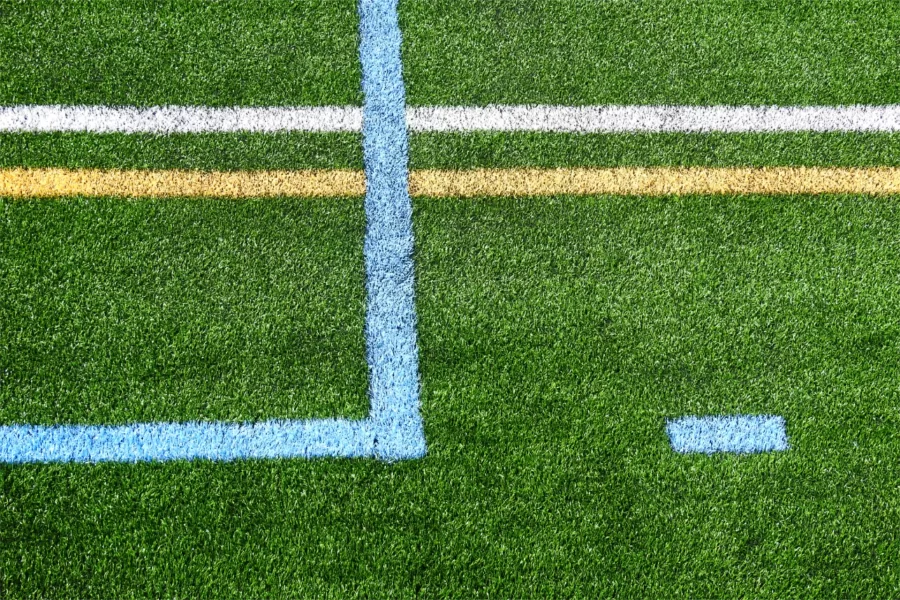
x,y
640,181
449,119
394,429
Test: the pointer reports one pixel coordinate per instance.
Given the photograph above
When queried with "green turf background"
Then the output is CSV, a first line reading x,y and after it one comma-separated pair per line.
x,y
146,52
250,151
501,150
651,52
205,152
276,52
116,311
557,335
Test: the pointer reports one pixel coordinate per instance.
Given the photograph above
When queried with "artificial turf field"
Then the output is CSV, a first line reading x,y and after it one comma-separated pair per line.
x,y
556,334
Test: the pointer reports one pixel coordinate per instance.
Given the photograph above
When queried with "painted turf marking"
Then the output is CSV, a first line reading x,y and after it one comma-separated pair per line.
x,y
394,428
179,119
656,181
742,434
644,181
657,119
43,183
546,118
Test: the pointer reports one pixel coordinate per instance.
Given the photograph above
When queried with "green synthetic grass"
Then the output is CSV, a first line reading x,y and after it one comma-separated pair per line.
x,y
651,52
556,335
207,152
117,311
499,150
147,52
280,52
253,151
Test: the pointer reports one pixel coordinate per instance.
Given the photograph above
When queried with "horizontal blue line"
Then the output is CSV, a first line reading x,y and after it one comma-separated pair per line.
x,y
740,434
191,440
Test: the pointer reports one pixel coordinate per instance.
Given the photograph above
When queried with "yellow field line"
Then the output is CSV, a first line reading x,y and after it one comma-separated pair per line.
x,y
656,181
645,181
31,183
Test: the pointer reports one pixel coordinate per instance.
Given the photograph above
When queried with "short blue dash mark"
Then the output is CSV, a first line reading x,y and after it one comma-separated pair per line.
x,y
394,429
739,434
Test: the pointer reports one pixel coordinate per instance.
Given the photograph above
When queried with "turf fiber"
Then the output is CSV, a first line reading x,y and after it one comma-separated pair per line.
x,y
117,311
651,52
202,151
556,334
142,52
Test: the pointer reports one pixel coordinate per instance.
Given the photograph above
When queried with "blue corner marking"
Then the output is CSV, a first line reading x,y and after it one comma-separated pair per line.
x,y
739,434
394,428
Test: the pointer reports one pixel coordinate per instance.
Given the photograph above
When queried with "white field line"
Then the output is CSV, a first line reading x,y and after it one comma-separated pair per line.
x,y
564,119
656,119
179,119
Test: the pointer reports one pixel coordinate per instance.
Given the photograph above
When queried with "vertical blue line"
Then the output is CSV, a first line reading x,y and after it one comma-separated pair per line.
x,y
390,311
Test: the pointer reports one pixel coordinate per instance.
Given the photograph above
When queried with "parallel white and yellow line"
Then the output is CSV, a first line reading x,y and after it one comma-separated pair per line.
x,y
546,118
636,181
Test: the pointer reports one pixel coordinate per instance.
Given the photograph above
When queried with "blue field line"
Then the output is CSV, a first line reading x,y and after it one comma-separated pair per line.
x,y
173,441
741,434
394,428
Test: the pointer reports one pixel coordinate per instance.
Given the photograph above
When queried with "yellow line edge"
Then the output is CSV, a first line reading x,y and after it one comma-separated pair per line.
x,y
642,181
